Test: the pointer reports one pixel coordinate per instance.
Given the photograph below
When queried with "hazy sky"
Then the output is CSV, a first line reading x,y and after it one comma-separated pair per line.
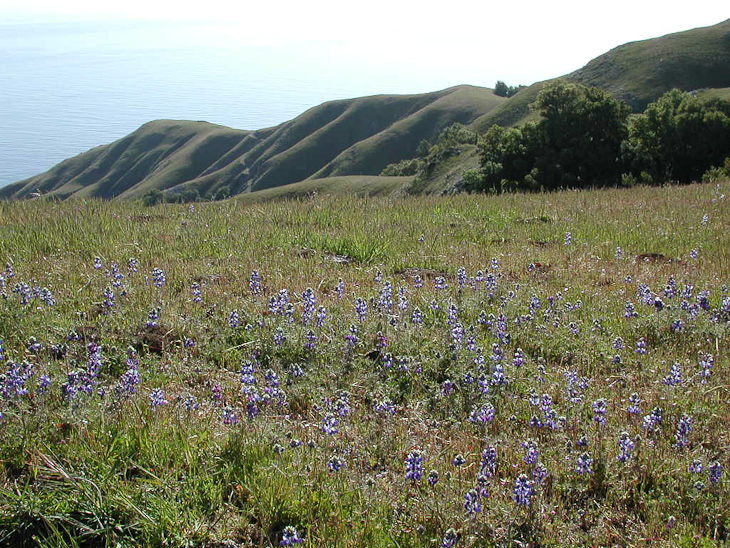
x,y
459,42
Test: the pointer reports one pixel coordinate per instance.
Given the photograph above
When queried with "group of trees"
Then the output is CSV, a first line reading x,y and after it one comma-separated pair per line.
x,y
586,138
503,90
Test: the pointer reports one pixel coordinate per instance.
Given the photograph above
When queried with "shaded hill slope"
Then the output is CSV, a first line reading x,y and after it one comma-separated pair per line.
x,y
347,137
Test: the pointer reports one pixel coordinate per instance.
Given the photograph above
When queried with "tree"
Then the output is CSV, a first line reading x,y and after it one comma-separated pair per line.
x,y
501,89
678,138
577,143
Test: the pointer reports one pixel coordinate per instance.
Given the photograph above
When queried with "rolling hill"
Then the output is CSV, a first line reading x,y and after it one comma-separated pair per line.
x,y
348,137
359,137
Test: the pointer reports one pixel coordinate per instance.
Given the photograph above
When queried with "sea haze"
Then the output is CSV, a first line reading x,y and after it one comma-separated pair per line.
x,y
70,86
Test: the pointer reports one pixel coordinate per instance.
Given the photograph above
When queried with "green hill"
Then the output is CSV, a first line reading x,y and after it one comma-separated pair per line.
x,y
347,137
357,137
639,72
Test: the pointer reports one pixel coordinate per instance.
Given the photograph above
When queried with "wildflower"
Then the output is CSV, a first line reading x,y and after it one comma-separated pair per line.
x,y
157,398
653,420
540,473
625,446
290,537
414,466
483,414
361,309
321,316
459,460
696,467
340,288
568,239
329,424
694,254
439,282
279,337
523,490
471,502
196,292
254,282
229,417
619,253
532,453
158,277
433,477
716,470
351,337
634,401
599,411
641,346
706,363
584,464
450,538
677,326
153,317
98,264
335,464
674,377
630,310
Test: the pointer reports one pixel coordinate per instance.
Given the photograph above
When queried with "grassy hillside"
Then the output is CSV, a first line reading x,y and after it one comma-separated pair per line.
x,y
352,185
348,137
463,371
639,72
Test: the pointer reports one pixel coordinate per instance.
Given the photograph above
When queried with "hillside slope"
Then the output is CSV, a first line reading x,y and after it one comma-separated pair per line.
x,y
639,72
347,137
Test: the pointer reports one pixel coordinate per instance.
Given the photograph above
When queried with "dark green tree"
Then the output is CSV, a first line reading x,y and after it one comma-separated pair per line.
x,y
678,138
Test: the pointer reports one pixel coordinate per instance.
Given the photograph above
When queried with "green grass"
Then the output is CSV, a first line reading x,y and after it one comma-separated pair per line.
x,y
109,470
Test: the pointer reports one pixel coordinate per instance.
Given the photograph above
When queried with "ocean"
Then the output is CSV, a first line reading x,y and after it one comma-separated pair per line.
x,y
70,86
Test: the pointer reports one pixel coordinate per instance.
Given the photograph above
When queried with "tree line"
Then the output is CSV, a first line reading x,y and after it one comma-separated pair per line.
x,y
587,138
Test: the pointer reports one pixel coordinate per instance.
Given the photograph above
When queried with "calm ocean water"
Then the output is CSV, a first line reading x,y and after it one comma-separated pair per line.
x,y
68,87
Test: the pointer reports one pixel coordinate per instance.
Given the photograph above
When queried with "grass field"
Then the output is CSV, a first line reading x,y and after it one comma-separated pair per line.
x,y
516,370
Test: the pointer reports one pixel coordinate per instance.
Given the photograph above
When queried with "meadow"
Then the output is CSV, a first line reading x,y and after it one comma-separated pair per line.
x,y
514,370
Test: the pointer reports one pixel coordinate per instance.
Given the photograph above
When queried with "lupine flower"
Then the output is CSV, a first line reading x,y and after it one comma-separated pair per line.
x,y
335,464
653,420
417,317
414,466
351,337
458,460
630,310
158,277
584,464
98,264
321,316
634,401
619,253
157,398
674,377
696,467
254,282
290,537
518,359
417,281
625,447
439,282
599,411
191,403
540,473
684,427
523,490
716,471
329,424
461,277
385,301
694,254
196,292
279,337
310,340
533,453
229,417
433,477
310,305
450,539
706,363
677,326
361,309
153,317
489,461
340,288
641,346
568,239
471,502
483,414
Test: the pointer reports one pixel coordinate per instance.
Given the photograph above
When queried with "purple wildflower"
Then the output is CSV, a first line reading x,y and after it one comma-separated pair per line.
x,y
523,490
414,466
684,427
584,464
290,537
625,447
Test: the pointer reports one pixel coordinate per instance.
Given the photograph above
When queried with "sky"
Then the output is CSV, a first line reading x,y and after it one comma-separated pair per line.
x,y
455,42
